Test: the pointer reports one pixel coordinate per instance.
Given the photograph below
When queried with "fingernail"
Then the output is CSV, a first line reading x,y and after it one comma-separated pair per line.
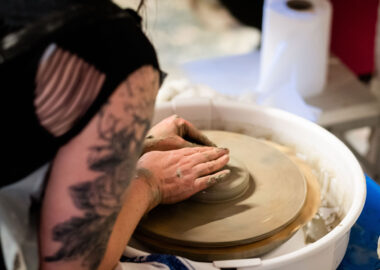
x,y
222,149
225,174
211,181
217,178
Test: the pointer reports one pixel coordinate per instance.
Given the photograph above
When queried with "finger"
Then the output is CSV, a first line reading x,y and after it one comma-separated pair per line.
x,y
211,166
209,180
208,155
190,133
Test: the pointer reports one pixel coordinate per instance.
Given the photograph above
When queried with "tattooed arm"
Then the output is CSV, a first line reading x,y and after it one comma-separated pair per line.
x,y
95,196
88,179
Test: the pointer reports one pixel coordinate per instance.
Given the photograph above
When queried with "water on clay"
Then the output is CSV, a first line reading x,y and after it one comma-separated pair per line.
x,y
329,213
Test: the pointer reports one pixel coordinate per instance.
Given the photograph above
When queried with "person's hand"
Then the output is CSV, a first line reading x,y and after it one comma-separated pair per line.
x,y
175,175
174,133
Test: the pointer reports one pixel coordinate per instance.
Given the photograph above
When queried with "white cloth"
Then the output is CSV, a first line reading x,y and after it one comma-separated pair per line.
x,y
18,220
147,261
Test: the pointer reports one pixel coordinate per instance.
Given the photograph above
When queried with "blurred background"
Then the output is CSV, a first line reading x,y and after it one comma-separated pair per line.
x,y
200,42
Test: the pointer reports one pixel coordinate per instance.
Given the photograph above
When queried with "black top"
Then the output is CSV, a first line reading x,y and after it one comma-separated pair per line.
x,y
109,38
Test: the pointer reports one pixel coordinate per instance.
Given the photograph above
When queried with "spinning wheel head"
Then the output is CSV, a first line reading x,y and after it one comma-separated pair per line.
x,y
268,196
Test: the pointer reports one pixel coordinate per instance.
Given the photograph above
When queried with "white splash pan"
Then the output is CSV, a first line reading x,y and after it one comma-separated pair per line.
x,y
347,186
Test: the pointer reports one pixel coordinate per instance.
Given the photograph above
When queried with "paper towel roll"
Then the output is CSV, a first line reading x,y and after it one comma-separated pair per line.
x,y
295,45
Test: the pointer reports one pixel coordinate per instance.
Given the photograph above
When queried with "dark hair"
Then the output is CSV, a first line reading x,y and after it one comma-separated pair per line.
x,y
16,14
25,11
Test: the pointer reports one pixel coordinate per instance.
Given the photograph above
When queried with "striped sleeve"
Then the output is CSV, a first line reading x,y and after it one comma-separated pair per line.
x,y
66,86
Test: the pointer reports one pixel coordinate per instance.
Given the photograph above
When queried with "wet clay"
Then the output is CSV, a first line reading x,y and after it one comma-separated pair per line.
x,y
228,187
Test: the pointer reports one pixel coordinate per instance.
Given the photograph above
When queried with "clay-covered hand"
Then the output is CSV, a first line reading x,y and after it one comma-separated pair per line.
x,y
172,133
175,175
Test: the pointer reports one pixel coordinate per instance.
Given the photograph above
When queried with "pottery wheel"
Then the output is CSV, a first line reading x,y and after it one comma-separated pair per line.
x,y
270,196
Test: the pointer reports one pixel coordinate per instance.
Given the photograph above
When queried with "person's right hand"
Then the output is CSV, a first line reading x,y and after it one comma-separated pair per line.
x,y
176,175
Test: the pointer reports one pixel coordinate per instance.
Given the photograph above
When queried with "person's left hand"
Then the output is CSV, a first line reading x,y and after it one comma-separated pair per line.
x,y
173,133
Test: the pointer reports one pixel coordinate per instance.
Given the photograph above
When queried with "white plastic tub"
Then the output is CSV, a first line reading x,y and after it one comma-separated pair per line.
x,y
346,186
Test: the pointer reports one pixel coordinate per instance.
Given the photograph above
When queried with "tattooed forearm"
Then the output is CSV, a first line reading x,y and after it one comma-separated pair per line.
x,y
85,237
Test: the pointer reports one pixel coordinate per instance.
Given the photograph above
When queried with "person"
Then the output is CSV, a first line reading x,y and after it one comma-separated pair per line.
x,y
79,80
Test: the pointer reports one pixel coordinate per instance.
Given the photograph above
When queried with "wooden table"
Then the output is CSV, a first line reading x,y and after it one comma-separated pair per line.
x,y
348,104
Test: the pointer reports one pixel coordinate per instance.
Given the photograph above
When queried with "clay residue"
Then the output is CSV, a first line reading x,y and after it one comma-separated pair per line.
x,y
217,178
322,223
329,213
179,173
